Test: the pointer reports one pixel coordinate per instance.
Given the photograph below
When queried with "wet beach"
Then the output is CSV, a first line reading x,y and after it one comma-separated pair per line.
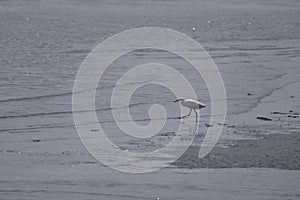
x,y
256,46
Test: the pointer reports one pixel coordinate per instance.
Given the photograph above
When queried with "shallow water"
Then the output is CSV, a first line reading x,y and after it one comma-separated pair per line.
x,y
87,181
254,44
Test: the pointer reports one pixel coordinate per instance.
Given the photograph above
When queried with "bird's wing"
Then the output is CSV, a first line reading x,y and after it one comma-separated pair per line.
x,y
194,103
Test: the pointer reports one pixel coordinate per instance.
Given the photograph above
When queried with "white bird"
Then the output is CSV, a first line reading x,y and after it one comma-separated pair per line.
x,y
191,104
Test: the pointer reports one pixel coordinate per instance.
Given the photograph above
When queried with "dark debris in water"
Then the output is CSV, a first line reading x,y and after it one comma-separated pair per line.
x,y
94,130
278,113
264,118
208,125
290,114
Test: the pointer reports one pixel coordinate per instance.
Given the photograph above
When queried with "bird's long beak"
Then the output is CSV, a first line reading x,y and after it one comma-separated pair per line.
x,y
176,100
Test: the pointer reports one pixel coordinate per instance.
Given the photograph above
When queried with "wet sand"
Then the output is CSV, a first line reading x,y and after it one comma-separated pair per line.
x,y
270,151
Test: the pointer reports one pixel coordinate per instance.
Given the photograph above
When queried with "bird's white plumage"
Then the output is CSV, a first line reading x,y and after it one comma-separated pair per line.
x,y
193,104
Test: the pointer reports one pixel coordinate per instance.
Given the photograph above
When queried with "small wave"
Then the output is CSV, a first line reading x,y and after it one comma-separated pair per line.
x,y
79,51
65,112
35,97
68,192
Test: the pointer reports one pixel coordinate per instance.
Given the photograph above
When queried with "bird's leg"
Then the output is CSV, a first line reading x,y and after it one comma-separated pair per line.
x,y
196,116
187,114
